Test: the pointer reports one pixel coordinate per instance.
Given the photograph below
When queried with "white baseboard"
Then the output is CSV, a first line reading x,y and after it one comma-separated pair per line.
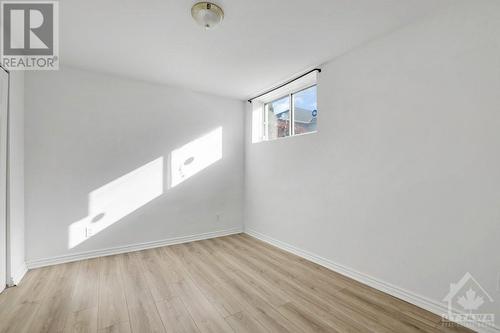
x,y
17,276
408,296
128,248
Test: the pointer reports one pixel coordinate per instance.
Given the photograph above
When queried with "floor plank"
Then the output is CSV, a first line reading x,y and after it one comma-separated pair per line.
x,y
204,313
55,308
123,327
142,310
82,321
242,322
175,316
112,302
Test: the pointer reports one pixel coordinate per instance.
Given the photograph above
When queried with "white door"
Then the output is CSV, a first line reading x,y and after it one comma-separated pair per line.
x,y
4,92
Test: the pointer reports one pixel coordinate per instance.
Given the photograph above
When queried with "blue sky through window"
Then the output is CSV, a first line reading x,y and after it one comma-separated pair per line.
x,y
306,99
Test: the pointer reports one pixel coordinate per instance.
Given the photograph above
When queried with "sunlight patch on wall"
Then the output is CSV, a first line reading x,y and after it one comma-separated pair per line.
x,y
195,156
122,196
115,200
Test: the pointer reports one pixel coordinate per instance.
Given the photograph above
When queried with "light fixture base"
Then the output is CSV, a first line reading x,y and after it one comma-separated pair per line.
x,y
207,14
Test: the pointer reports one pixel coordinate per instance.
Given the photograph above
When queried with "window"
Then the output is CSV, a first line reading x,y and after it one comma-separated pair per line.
x,y
287,111
280,122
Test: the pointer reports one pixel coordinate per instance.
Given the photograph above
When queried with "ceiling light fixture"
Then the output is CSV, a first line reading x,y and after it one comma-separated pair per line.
x,y
207,14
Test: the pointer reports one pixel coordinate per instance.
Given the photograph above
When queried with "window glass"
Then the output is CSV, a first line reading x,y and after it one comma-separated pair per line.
x,y
277,118
305,111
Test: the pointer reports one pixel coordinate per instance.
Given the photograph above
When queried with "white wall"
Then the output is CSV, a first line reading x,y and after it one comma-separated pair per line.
x,y
402,182
16,255
84,130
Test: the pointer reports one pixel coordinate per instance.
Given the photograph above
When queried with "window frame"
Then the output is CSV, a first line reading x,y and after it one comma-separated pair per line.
x,y
291,106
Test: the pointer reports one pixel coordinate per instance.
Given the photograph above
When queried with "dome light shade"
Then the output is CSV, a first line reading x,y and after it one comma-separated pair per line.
x,y
207,14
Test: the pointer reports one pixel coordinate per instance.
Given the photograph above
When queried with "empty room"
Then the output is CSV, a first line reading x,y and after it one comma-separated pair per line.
x,y
250,166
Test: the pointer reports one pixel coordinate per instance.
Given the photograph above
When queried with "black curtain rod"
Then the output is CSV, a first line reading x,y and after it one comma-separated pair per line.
x,y
284,84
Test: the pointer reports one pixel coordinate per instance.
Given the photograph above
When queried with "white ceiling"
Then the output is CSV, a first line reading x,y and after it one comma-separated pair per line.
x,y
259,44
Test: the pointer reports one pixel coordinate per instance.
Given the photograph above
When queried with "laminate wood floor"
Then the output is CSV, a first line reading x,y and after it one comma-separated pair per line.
x,y
227,284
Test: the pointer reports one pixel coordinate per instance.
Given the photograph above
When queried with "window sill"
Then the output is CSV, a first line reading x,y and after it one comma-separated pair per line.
x,y
286,137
